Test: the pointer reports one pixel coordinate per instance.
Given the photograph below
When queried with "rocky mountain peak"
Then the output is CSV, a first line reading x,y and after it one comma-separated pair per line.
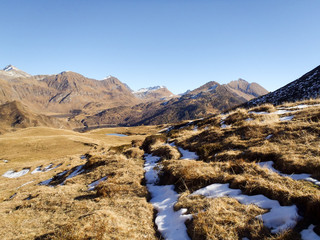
x,y
11,72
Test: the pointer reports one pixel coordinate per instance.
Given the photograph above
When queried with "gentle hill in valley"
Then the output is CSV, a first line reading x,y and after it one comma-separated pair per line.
x,y
15,115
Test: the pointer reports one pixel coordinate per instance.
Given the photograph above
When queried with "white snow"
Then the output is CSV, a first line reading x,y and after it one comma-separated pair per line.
x,y
62,173
45,169
195,129
116,134
48,168
287,118
268,137
46,182
14,174
25,184
170,223
8,68
278,219
186,154
225,126
283,111
213,87
95,183
75,173
259,113
149,89
151,174
249,120
309,234
298,176
36,170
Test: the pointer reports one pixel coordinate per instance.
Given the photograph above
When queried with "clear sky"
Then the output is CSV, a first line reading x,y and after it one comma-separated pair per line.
x,y
176,43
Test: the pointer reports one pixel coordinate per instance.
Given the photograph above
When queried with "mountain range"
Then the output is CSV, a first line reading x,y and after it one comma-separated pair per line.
x,y
111,102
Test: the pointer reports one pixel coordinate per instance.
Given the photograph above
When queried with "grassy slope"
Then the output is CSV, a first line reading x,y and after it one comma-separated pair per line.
x,y
229,155
118,208
70,211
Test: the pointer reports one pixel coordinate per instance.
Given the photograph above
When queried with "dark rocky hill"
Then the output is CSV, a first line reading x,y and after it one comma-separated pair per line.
x,y
305,87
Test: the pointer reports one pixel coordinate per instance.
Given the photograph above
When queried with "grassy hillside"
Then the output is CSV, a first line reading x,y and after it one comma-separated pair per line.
x,y
246,174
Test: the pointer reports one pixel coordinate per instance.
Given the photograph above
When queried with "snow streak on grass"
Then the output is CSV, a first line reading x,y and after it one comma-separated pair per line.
x,y
170,223
278,219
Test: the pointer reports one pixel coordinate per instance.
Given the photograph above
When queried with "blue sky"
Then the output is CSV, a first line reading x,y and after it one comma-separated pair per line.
x,y
179,44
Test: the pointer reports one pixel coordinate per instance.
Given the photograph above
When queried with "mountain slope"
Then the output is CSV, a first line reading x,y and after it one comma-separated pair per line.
x,y
203,101
16,115
11,72
154,93
64,92
247,90
305,87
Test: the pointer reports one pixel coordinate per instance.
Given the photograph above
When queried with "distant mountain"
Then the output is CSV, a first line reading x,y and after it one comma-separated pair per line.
x,y
154,93
247,90
305,87
16,115
11,72
203,101
111,102
64,92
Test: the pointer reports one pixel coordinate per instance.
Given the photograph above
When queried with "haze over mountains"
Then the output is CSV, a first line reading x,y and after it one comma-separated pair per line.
x,y
111,102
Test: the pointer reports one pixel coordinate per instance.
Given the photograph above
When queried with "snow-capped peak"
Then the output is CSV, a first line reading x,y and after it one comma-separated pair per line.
x,y
9,68
11,71
149,89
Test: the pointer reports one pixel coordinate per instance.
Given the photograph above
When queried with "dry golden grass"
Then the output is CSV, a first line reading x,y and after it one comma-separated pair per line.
x,y
117,209
229,155
222,218
264,108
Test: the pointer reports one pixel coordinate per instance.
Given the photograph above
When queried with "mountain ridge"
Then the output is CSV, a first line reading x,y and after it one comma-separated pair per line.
x,y
305,87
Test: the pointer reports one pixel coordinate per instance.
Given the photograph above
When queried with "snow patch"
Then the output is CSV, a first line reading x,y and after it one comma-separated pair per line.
x,y
187,155
116,134
14,174
259,113
74,173
95,183
298,176
46,182
25,184
278,219
170,223
151,174
287,118
309,234
268,137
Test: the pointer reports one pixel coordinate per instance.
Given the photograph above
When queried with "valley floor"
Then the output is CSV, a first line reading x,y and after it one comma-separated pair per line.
x,y
246,174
